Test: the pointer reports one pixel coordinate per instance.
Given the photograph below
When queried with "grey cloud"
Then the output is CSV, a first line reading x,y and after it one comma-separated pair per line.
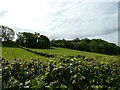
x,y
71,21
3,13
105,32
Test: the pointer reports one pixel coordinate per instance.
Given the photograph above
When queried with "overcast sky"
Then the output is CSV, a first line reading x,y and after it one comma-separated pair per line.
x,y
60,19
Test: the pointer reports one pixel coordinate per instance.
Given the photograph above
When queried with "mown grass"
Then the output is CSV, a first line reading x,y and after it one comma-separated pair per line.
x,y
15,52
71,52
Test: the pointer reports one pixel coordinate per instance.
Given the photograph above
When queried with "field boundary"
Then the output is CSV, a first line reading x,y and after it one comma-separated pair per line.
x,y
39,53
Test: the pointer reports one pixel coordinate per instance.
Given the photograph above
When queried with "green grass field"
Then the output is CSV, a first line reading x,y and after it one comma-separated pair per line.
x,y
9,53
69,52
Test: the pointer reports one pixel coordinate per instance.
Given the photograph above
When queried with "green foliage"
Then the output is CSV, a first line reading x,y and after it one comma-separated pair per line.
x,y
9,44
94,45
31,40
62,73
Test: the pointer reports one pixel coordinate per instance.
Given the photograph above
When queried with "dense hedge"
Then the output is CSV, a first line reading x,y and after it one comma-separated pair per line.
x,y
67,73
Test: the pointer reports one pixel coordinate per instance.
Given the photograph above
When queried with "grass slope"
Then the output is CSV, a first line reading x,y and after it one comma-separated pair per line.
x,y
70,52
9,53
11,50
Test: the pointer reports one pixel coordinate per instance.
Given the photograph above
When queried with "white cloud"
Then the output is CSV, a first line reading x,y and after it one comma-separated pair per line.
x,y
62,18
23,13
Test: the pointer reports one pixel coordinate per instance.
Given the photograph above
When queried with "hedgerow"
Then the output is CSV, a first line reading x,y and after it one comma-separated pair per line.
x,y
69,73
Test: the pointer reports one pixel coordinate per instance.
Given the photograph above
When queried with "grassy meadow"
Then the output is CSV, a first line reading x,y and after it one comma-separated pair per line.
x,y
70,52
15,52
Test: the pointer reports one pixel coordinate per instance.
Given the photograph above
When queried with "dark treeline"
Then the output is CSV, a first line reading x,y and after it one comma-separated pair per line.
x,y
33,40
26,39
94,45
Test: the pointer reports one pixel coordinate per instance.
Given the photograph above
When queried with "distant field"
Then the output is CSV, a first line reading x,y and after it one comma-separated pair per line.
x,y
9,53
70,52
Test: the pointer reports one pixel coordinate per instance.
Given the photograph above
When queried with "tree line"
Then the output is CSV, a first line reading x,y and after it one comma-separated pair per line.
x,y
33,40
36,40
94,45
26,39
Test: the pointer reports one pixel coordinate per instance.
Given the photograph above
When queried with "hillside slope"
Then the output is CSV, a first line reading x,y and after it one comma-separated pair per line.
x,y
70,52
11,50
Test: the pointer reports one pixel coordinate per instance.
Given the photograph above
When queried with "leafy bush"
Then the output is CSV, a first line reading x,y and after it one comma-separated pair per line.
x,y
68,73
